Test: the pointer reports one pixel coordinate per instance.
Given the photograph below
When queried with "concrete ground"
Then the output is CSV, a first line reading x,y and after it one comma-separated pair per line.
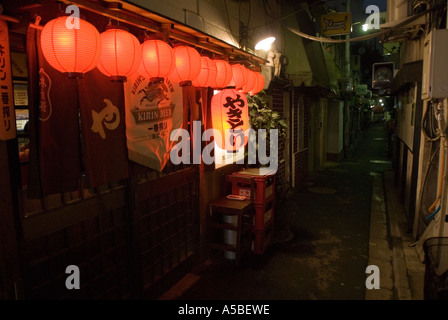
x,y
347,218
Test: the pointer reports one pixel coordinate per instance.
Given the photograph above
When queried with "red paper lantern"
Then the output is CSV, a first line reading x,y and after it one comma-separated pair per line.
x,y
230,116
251,82
208,73
259,84
240,76
187,65
71,51
121,54
157,59
224,75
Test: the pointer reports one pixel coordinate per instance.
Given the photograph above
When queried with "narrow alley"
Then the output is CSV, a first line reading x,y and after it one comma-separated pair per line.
x,y
328,251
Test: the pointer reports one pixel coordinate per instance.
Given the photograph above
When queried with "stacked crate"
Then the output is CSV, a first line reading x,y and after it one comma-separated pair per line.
x,y
263,198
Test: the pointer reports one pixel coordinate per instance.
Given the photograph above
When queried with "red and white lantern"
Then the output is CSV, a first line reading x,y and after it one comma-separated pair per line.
x,y
121,54
157,59
240,76
208,73
251,82
224,74
230,116
72,51
260,83
187,65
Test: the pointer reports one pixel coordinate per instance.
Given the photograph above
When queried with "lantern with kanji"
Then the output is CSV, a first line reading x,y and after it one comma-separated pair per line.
x,y
208,73
157,59
224,74
187,65
73,51
240,76
230,116
121,54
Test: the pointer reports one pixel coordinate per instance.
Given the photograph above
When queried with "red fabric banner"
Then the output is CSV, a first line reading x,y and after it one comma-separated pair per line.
x,y
103,128
54,126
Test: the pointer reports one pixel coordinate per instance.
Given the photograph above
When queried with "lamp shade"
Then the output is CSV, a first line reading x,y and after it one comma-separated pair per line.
x,y
71,51
260,82
265,44
187,65
251,82
120,55
240,76
208,73
157,59
230,116
224,74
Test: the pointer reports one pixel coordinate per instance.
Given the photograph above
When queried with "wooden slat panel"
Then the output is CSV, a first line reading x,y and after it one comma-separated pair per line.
x,y
165,184
49,222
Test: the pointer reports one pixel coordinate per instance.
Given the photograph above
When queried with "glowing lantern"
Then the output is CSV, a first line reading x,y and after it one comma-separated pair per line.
x,y
71,51
251,82
230,116
208,73
240,76
259,84
157,59
187,65
224,74
121,54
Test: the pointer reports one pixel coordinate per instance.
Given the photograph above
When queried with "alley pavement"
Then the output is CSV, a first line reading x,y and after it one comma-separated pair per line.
x,y
347,217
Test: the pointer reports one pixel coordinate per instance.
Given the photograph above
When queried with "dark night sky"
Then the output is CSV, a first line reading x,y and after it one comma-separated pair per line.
x,y
382,4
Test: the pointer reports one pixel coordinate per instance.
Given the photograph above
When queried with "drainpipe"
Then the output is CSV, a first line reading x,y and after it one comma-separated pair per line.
x,y
346,102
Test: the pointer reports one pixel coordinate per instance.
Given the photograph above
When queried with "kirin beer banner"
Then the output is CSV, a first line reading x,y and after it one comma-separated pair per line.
x,y
153,111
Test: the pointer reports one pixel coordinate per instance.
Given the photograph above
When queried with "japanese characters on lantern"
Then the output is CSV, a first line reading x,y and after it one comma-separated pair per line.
x,y
230,116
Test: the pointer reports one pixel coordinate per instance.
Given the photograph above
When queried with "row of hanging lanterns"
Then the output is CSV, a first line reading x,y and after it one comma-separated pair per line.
x,y
117,53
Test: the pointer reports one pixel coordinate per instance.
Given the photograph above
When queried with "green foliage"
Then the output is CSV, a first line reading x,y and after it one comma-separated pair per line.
x,y
263,117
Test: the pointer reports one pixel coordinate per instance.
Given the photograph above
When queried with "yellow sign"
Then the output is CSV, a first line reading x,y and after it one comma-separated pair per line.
x,y
7,113
336,24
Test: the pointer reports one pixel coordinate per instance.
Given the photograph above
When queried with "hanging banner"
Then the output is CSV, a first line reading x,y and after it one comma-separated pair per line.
x,y
101,102
153,111
7,113
54,164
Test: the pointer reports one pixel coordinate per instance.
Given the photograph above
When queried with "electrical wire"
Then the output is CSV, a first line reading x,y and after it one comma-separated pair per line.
x,y
431,216
362,38
430,133
425,179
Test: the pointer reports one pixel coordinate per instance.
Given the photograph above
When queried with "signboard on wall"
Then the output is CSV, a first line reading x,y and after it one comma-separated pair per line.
x,y
7,112
153,111
335,24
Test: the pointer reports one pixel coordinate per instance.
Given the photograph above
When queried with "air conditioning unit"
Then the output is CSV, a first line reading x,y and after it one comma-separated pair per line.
x,y
435,65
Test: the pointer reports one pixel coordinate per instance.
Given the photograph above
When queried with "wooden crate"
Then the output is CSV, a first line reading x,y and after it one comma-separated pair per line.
x,y
264,185
264,215
262,240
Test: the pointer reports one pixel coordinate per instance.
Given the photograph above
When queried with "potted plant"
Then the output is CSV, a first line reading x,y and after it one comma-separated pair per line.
x,y
261,116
